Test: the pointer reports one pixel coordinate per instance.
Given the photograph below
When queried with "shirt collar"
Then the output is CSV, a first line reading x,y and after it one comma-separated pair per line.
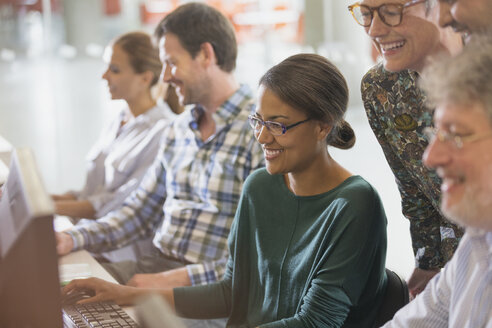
x,y
479,234
227,111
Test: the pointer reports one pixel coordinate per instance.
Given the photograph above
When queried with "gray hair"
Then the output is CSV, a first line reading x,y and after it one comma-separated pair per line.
x,y
463,79
429,4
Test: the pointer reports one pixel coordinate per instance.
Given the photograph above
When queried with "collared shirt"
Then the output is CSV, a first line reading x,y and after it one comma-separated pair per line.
x,y
119,159
189,196
461,295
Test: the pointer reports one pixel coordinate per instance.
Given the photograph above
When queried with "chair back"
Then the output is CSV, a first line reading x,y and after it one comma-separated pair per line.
x,y
395,297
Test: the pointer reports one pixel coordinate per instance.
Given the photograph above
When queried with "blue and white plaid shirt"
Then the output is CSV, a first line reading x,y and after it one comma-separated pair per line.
x,y
461,295
188,197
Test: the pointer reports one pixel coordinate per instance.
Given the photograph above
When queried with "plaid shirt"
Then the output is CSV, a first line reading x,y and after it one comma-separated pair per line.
x,y
188,197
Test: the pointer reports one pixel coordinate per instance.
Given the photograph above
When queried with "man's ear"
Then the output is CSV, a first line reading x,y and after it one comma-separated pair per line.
x,y
208,54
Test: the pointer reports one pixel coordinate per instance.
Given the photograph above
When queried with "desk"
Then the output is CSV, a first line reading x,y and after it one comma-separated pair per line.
x,y
5,150
84,257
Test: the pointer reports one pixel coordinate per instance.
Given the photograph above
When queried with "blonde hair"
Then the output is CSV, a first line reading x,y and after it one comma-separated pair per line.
x,y
142,52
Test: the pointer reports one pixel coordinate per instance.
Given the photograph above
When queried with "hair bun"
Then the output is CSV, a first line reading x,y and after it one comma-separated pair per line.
x,y
342,136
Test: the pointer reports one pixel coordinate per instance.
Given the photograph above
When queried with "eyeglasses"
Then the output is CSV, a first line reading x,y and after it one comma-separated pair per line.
x,y
275,128
389,13
453,139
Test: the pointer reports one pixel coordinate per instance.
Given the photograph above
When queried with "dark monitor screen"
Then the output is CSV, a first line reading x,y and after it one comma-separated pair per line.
x,y
29,282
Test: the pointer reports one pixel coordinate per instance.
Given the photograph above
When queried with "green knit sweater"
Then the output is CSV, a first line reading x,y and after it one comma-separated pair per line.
x,y
298,261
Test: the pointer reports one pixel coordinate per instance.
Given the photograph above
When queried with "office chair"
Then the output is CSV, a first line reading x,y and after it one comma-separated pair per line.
x,y
395,297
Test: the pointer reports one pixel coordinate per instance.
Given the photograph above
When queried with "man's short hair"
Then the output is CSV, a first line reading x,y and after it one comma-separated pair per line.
x,y
197,23
463,79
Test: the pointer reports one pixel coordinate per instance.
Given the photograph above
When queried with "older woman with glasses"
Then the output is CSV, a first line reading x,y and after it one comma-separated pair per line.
x,y
308,244
407,34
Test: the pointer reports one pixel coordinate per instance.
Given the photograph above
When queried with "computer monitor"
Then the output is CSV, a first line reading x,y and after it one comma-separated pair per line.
x,y
29,282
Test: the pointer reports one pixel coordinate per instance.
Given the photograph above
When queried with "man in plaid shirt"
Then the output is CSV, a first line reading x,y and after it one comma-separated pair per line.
x,y
188,197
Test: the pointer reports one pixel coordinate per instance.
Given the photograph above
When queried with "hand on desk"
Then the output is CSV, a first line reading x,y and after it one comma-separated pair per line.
x,y
167,279
64,243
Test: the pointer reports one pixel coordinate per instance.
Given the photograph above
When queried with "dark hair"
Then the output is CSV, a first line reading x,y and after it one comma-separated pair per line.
x,y
197,23
142,52
313,85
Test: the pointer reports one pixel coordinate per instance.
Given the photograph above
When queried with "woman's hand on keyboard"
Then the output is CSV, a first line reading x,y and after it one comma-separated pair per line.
x,y
105,291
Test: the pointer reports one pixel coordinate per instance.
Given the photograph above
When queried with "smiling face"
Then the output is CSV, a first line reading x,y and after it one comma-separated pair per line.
x,y
123,82
467,16
466,172
185,73
298,149
407,45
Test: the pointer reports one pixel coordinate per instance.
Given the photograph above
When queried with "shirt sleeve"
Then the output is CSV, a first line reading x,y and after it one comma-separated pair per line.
x,y
137,161
206,272
416,206
136,219
206,301
430,308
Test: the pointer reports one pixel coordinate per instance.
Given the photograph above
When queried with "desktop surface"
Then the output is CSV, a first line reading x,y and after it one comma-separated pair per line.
x,y
104,312
93,268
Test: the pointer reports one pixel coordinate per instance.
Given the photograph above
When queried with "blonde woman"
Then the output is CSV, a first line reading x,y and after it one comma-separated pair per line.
x,y
129,144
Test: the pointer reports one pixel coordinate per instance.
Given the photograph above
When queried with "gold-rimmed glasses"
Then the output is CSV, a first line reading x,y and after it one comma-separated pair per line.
x,y
390,13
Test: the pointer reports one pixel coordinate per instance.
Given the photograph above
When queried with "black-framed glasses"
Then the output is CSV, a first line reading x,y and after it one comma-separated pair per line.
x,y
453,139
275,128
390,13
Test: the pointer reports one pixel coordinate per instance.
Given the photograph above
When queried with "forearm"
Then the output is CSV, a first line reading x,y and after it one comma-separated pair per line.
x,y
75,208
203,302
66,196
111,232
207,272
168,295
423,216
425,230
165,280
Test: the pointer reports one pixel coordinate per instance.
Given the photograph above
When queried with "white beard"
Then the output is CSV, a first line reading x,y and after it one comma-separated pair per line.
x,y
475,208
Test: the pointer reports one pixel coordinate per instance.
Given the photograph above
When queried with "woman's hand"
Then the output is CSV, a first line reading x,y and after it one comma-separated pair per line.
x,y
63,197
105,291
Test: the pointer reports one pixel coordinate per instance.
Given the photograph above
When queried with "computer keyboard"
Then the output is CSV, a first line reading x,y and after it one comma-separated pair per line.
x,y
97,314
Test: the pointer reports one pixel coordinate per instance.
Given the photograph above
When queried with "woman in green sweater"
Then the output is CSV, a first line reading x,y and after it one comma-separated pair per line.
x,y
308,244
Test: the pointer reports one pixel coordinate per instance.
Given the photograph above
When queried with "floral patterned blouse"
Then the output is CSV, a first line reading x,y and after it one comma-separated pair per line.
x,y
397,115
